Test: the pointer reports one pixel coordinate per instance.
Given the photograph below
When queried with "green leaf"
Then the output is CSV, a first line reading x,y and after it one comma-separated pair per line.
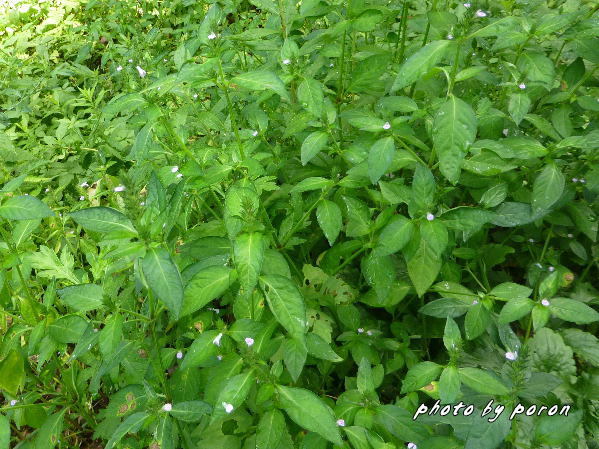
x,y
571,310
399,423
294,355
394,236
518,107
584,344
205,286
329,218
312,145
452,337
449,385
379,272
320,419
510,290
286,304
445,307
477,320
537,67
270,429
12,372
419,375
423,192
248,250
190,411
482,382
24,207
380,158
49,434
358,215
454,130
261,80
131,425
547,189
164,279
68,329
365,382
515,309
320,349
555,430
4,432
309,93
312,183
103,219
201,350
128,103
420,63
83,297
423,264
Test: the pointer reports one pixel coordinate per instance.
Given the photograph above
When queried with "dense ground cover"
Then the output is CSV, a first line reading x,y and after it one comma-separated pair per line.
x,y
275,225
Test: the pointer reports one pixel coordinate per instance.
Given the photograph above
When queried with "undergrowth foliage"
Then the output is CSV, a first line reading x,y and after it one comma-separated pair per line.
x,y
275,225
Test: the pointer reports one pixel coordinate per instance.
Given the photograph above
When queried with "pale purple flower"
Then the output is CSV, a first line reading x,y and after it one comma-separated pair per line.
x,y
522,86
467,5
216,340
175,169
81,198
228,407
179,355
511,355
360,330
545,302
167,407
179,175
387,125
119,188
13,402
219,357
84,184
481,13
141,71
286,61
450,36
249,341
551,269
414,445
370,333
341,422
212,36
430,217
475,302
574,179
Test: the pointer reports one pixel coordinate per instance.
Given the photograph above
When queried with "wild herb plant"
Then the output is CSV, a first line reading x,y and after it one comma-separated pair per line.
x,y
269,224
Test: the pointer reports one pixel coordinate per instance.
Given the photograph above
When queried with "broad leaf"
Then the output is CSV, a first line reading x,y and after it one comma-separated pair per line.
x,y
164,279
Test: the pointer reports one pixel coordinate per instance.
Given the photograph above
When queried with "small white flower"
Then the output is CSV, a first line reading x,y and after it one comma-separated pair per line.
x,y
286,61
217,311
195,95
551,269
360,330
574,179
430,217
582,180
119,188
481,13
450,36
143,203
165,60
84,184
10,29
179,175
475,302
96,330
254,133
174,169
522,86
216,340
167,407
13,402
369,333
341,422
130,60
47,190
505,132
467,5
228,407
81,198
524,182
141,71
414,445
158,88
570,236
387,125
212,36
331,65
119,68
511,355
249,341
545,302
179,355
219,357
538,265
531,240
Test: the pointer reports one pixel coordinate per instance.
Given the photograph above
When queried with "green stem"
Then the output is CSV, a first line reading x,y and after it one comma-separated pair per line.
x,y
349,260
403,31
232,113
